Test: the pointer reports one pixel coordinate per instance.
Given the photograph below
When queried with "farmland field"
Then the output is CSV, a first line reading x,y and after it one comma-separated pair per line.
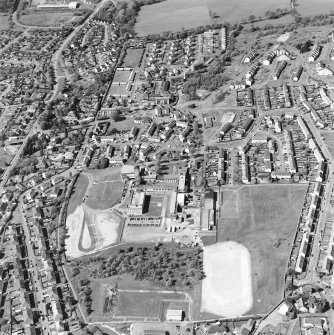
x,y
177,14
264,220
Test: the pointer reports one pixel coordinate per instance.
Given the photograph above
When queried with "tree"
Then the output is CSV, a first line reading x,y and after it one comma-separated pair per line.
x,y
251,18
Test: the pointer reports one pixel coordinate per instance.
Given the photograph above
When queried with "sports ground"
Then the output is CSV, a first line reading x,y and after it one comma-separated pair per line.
x,y
92,224
227,288
264,220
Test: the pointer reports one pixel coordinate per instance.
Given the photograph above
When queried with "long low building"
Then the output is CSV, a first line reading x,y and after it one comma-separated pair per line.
x,y
69,5
174,315
300,264
303,128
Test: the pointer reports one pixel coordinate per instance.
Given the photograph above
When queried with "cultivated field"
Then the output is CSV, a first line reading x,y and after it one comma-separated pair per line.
x,y
175,14
46,19
264,220
310,7
172,15
227,288
133,57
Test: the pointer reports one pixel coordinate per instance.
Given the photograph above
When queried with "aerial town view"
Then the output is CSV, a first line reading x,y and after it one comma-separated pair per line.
x,y
167,167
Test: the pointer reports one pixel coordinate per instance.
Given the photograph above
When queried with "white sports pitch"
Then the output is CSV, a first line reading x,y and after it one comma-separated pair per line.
x,y
227,288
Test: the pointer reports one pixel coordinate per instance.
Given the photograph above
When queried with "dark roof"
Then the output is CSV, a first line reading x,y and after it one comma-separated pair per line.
x,y
216,329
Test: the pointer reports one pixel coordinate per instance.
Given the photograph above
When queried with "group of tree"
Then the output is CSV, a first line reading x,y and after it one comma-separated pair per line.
x,y
35,143
310,300
102,163
25,167
8,6
124,13
92,330
207,79
304,47
85,295
165,265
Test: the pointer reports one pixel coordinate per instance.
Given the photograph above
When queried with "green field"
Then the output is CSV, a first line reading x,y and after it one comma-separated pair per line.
x,y
77,194
173,15
264,219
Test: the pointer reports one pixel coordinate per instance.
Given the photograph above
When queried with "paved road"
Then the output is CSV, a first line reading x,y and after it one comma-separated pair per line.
x,y
33,270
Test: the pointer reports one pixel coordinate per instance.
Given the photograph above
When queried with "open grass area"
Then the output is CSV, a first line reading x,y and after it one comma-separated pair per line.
x,y
263,219
4,22
329,140
46,19
78,193
133,57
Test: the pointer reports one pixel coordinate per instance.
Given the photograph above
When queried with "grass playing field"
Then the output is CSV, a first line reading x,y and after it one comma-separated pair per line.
x,y
145,304
46,19
106,190
133,57
135,300
105,195
264,219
